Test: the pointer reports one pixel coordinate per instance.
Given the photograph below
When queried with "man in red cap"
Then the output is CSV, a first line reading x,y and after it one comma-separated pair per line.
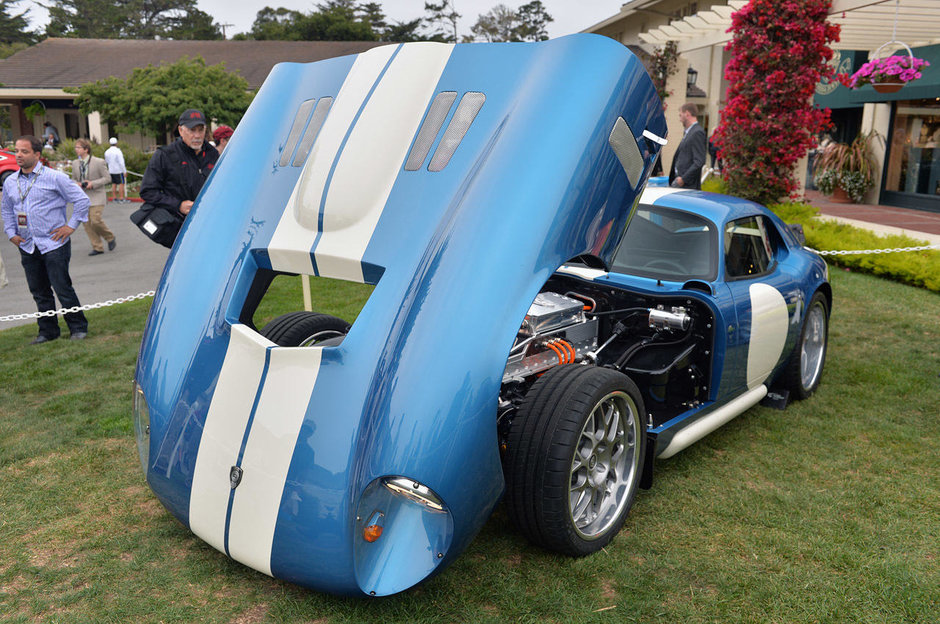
x,y
177,171
221,136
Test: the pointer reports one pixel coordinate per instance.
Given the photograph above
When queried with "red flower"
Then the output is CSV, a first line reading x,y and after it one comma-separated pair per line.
x,y
778,54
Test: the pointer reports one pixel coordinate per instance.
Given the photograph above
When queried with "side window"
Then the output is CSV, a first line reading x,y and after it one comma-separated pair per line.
x,y
748,249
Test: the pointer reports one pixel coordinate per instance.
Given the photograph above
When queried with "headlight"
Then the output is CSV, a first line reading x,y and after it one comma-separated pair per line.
x,y
403,531
142,426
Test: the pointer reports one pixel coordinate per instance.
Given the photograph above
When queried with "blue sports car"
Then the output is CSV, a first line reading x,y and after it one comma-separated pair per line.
x,y
521,343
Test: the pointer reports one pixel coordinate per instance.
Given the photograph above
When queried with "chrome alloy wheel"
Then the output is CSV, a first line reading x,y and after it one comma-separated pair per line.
x,y
813,349
320,336
604,466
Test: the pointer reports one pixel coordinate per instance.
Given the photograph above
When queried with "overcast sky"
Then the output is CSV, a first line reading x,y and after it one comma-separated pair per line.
x,y
570,15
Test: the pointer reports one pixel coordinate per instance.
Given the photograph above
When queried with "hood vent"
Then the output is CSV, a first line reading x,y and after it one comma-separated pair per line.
x,y
309,126
440,108
470,104
623,142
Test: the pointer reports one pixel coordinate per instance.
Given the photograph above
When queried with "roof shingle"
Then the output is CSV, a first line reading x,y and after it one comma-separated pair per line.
x,y
56,63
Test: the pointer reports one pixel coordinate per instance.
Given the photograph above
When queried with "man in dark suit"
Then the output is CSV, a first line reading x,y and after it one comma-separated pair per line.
x,y
686,170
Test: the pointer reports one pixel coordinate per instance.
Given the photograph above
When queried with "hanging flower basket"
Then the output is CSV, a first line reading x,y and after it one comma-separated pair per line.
x,y
888,75
888,86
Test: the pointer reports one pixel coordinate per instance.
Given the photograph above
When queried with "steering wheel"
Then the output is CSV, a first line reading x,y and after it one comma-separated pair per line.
x,y
662,263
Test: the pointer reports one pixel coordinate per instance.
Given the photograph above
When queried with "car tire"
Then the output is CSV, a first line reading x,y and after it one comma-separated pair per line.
x,y
572,470
4,176
805,366
305,329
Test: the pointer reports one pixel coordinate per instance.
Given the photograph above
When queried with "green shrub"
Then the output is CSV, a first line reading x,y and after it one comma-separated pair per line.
x,y
918,268
715,184
134,159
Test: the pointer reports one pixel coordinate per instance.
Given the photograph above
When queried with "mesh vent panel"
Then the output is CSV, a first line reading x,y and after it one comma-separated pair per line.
x,y
300,120
470,105
440,106
313,129
628,152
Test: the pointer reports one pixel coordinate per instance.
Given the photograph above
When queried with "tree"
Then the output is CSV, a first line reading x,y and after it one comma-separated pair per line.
x,y
500,24
533,22
131,19
13,26
335,20
277,24
372,14
195,25
151,98
503,24
443,16
779,52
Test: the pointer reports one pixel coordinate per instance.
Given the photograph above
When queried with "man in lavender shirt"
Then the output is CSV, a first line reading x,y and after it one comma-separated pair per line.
x,y
35,218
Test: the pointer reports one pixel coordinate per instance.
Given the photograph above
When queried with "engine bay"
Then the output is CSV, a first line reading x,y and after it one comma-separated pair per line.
x,y
663,343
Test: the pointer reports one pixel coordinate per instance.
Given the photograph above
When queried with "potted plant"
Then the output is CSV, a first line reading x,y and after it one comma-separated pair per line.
x,y
888,75
846,171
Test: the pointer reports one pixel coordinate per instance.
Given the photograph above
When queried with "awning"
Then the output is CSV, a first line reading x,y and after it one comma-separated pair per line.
x,y
866,24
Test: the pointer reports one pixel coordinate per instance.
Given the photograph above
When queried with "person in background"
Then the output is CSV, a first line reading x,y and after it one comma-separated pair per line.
x,y
37,222
221,136
114,158
91,173
48,130
686,170
177,171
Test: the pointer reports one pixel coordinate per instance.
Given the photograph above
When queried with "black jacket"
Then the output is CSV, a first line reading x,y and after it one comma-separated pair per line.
x,y
176,173
690,158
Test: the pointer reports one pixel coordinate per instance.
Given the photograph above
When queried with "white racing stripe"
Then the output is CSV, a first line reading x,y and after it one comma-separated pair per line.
x,y
652,193
368,165
296,232
768,332
222,434
292,373
373,157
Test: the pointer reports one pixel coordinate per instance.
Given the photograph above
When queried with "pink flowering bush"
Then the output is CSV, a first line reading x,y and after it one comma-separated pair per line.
x,y
890,69
779,52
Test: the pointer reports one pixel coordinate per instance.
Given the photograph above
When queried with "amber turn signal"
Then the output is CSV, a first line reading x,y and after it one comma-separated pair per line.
x,y
372,533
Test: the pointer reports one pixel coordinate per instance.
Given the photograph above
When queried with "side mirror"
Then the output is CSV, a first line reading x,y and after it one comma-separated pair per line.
x,y
797,229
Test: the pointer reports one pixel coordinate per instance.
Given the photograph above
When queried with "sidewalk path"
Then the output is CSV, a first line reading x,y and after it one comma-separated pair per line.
x,y
918,224
135,266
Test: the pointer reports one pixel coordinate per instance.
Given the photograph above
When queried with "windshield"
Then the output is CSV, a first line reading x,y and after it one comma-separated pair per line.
x,y
669,244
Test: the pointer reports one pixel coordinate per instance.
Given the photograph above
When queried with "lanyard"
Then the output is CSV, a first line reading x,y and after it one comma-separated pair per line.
x,y
19,188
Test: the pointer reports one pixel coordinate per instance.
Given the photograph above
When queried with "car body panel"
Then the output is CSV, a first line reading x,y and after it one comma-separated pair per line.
x,y
759,318
269,452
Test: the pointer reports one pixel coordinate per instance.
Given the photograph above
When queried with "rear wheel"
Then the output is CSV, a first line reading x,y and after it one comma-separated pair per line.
x,y
305,329
573,458
805,367
4,176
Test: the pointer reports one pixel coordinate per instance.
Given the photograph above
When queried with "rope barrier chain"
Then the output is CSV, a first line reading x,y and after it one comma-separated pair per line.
x,y
111,302
90,306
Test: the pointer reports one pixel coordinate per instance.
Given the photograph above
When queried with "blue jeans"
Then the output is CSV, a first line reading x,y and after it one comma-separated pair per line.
x,y
46,272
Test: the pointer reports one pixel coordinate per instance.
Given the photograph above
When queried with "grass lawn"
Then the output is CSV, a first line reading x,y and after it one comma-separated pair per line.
x,y
826,512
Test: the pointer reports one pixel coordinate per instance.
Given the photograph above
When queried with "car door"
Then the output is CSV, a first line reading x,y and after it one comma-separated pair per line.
x,y
765,300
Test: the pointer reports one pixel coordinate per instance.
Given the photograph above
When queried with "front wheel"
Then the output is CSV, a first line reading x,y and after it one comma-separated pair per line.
x,y
805,367
574,456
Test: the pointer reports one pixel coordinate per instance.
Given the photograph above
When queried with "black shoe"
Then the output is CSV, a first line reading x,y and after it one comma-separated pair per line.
x,y
95,252
41,339
78,335
112,244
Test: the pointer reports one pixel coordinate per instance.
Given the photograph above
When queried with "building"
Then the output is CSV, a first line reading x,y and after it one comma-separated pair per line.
x,y
909,120
35,78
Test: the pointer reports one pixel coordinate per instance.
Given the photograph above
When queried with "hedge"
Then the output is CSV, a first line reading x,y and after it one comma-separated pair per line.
x,y
917,268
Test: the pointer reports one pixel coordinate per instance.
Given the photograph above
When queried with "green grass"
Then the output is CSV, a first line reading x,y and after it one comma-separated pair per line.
x,y
826,512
